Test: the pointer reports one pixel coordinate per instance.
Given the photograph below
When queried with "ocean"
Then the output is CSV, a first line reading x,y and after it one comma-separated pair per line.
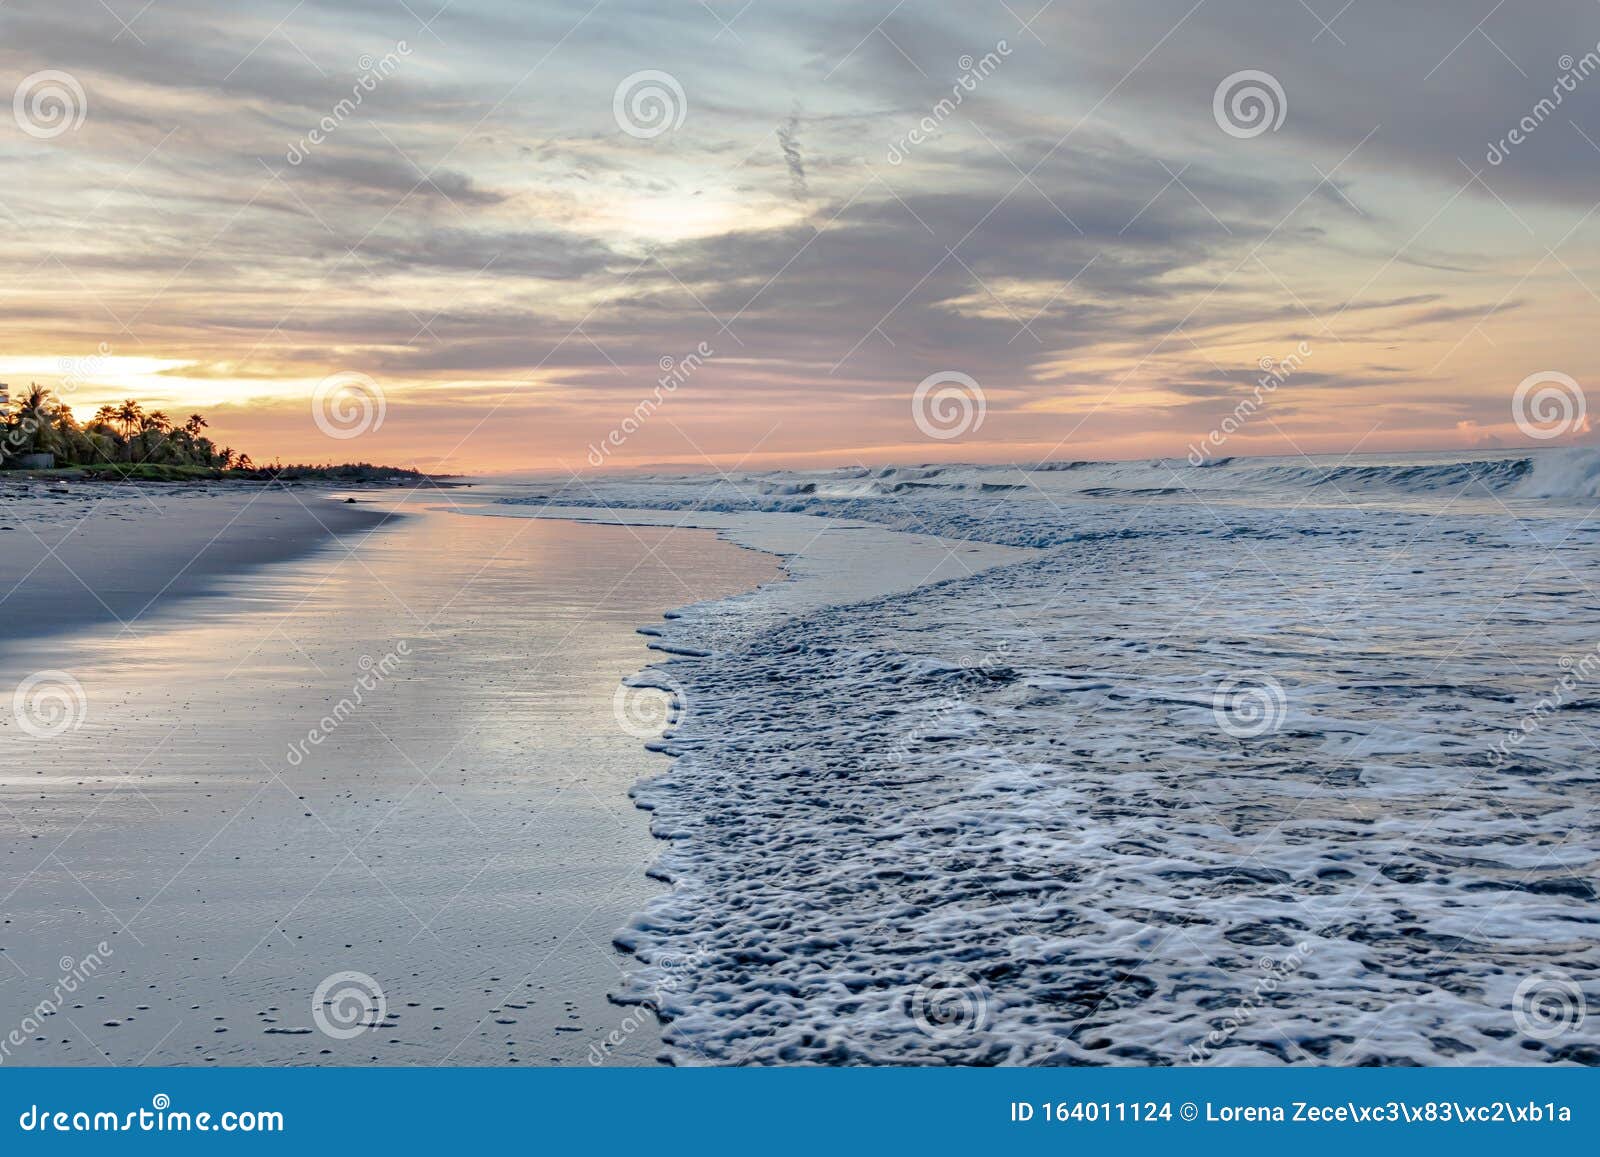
x,y
1267,761
1262,762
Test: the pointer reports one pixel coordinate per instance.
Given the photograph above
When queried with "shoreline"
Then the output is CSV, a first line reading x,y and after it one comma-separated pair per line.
x,y
907,723
75,554
498,847
828,565
828,561
1032,827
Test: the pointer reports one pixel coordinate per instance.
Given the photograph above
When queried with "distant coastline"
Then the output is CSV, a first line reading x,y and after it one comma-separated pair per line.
x,y
40,437
343,474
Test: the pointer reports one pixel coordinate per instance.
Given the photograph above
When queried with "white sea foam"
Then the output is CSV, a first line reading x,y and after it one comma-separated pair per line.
x,y
1567,473
1007,819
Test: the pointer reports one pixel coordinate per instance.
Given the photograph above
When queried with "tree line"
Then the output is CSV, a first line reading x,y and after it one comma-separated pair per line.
x,y
37,423
127,441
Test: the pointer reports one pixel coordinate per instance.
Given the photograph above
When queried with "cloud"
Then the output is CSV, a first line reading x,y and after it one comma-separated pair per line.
x,y
1079,235
788,141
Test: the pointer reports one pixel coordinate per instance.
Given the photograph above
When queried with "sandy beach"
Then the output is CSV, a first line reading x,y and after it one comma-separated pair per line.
x,y
390,760
73,553
915,767
546,548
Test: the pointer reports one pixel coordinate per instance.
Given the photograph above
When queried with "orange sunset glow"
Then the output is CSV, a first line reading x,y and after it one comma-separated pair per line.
x,y
475,224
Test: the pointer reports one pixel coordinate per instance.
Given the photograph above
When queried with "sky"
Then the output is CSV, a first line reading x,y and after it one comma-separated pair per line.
x,y
605,234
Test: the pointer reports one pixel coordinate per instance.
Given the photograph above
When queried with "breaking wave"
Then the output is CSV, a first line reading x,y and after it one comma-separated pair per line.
x,y
1228,771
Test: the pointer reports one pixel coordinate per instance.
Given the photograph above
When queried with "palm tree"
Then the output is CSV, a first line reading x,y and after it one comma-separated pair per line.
x,y
154,429
36,418
129,414
122,432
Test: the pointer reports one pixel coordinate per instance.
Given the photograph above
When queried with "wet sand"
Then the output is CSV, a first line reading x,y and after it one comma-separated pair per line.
x,y
73,553
398,762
